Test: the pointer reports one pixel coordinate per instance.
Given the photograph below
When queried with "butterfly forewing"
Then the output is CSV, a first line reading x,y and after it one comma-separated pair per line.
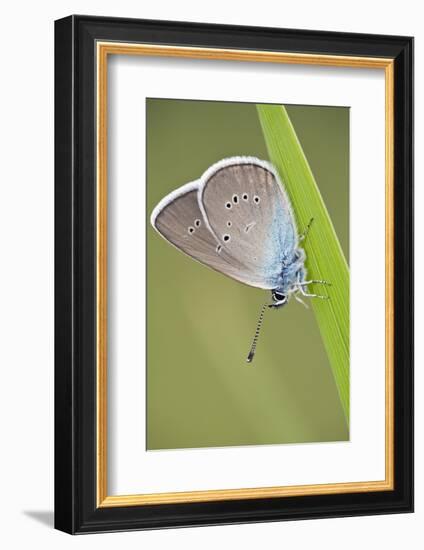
x,y
251,218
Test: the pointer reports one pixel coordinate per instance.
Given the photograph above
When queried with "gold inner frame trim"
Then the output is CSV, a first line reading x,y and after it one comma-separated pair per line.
x,y
104,49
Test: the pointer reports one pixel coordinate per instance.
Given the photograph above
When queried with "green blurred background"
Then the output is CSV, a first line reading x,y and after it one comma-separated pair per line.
x,y
200,390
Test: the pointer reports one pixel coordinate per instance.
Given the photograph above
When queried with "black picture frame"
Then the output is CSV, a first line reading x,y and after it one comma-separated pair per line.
x,y
76,509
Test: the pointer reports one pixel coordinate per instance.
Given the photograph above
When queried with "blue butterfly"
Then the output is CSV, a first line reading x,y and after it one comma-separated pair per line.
x,y
238,220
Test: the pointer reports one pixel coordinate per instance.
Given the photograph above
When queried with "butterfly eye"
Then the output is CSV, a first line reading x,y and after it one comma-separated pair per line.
x,y
256,199
197,223
235,199
226,238
245,196
191,230
278,297
228,205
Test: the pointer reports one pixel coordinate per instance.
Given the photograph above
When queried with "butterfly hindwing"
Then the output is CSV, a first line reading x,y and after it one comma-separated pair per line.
x,y
179,220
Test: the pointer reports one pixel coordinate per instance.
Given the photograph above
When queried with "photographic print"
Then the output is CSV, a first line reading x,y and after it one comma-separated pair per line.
x,y
232,342
247,274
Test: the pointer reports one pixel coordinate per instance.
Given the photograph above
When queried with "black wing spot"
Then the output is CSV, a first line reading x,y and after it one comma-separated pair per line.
x,y
235,199
197,223
228,205
245,197
219,248
229,224
226,238
256,199
191,230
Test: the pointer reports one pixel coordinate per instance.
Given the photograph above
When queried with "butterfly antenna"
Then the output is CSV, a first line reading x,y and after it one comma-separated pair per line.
x,y
255,338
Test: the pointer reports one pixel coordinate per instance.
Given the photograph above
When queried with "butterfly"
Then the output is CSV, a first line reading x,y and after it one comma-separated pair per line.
x,y
237,219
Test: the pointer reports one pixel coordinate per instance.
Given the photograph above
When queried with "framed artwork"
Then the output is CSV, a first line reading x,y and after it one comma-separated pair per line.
x,y
234,274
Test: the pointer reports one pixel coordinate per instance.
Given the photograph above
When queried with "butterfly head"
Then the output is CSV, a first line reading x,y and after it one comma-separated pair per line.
x,y
279,298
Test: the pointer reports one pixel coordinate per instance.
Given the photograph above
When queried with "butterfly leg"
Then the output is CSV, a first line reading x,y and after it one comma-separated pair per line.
x,y
303,235
313,281
307,295
299,299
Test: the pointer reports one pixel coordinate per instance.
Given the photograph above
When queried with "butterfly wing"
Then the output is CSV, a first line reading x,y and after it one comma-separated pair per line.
x,y
250,215
180,221
248,241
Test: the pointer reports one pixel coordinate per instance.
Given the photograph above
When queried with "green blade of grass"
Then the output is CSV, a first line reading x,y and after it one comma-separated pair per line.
x,y
325,258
